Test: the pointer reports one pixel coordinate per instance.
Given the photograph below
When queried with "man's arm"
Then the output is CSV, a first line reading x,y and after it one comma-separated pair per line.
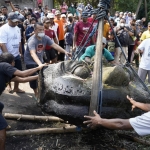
x,y
93,40
35,57
55,40
59,49
12,6
74,41
20,49
4,48
143,106
26,79
118,124
28,72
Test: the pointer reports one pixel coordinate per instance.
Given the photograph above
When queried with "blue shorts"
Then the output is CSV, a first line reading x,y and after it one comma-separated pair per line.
x,y
3,123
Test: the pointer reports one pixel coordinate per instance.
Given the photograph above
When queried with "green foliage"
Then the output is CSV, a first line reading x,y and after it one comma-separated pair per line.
x,y
116,5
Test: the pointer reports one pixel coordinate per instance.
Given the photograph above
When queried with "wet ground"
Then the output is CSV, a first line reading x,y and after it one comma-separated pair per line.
x,y
100,139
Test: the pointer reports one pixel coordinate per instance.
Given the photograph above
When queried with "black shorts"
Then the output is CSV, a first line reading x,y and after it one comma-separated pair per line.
x,y
50,55
18,64
34,83
3,123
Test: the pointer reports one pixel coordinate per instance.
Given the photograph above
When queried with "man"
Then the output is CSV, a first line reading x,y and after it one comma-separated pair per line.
x,y
132,31
106,29
90,52
146,34
128,18
2,20
10,40
30,28
140,124
123,36
7,74
72,9
58,20
51,56
4,11
54,26
144,68
35,51
81,31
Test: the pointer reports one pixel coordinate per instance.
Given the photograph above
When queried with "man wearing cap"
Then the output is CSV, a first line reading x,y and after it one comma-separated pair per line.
x,y
10,39
81,29
53,25
61,56
63,18
90,52
128,18
50,52
146,34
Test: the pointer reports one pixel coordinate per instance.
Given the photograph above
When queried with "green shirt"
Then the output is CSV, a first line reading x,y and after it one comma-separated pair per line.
x,y
90,52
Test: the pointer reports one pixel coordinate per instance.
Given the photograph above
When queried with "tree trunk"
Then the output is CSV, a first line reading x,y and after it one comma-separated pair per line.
x,y
145,8
138,7
50,3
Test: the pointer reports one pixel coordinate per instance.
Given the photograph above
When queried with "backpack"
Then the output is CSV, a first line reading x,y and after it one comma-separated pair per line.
x,y
123,37
69,38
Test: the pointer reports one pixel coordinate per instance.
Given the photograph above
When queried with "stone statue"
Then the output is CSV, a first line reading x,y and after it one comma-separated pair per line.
x,y
65,91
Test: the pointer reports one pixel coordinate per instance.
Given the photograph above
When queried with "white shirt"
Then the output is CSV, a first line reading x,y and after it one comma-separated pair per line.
x,y
11,36
55,28
145,60
141,124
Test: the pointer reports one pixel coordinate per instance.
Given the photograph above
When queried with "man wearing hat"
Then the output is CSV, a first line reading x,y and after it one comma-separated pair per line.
x,y
81,29
10,40
61,56
90,52
53,25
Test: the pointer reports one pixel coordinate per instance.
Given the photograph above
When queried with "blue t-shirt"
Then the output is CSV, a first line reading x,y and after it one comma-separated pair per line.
x,y
90,52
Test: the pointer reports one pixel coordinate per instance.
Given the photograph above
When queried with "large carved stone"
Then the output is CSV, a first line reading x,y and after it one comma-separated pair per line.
x,y
65,90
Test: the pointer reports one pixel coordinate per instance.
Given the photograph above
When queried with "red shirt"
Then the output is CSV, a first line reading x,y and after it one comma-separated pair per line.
x,y
91,20
94,24
50,33
81,29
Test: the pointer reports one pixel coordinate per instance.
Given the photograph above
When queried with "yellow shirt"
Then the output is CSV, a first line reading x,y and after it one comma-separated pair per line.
x,y
145,35
106,30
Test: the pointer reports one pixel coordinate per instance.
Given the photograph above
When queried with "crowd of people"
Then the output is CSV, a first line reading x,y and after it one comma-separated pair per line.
x,y
43,35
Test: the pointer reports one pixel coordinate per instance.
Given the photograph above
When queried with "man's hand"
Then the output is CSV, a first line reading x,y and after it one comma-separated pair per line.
x,y
68,54
41,66
94,121
132,102
74,49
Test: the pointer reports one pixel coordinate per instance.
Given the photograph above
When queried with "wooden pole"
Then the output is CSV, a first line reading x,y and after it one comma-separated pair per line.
x,y
138,7
31,117
43,131
96,81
